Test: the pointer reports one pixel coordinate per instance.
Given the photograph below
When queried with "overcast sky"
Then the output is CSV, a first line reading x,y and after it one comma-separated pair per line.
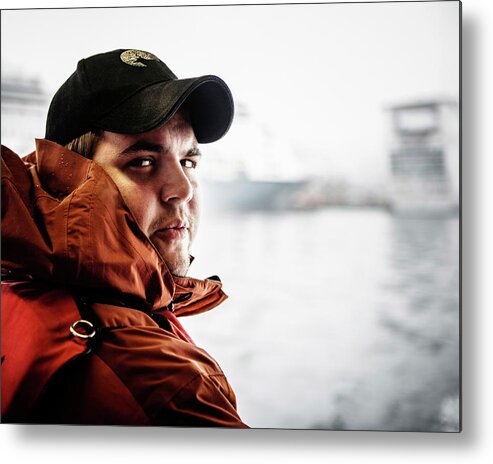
x,y
317,75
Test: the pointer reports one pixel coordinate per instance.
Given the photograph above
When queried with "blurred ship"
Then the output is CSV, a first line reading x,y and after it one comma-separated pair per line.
x,y
24,109
243,193
425,157
252,168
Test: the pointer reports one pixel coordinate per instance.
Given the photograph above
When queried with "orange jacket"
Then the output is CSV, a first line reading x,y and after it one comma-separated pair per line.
x,y
72,250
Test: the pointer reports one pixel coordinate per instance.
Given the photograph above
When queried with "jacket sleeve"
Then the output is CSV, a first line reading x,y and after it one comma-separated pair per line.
x,y
174,382
143,375
90,392
203,402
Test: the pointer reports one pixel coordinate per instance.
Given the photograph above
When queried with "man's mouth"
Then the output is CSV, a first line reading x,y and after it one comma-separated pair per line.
x,y
176,230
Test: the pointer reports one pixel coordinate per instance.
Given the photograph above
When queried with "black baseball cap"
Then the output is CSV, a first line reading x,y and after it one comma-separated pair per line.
x,y
132,91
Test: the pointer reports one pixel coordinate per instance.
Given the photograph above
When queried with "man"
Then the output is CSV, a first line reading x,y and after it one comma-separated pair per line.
x,y
96,252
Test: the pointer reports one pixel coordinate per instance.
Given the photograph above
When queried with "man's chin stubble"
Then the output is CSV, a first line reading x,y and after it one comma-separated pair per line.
x,y
178,269
178,265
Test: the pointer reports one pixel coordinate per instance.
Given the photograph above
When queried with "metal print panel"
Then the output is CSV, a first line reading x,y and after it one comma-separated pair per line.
x,y
330,212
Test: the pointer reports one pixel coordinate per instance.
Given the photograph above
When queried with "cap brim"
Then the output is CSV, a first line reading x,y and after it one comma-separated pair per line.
x,y
208,98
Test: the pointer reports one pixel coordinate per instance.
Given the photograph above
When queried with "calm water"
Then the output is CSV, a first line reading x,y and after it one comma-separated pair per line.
x,y
341,319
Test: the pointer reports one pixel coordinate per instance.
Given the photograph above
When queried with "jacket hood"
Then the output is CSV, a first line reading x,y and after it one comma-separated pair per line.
x,y
64,221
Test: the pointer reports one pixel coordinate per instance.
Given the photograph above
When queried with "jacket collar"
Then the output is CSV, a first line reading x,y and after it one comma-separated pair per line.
x,y
80,232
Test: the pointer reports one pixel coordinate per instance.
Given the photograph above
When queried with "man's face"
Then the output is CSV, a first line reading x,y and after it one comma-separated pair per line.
x,y
156,174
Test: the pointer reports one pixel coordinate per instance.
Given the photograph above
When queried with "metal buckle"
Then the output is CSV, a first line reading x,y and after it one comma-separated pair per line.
x,y
90,331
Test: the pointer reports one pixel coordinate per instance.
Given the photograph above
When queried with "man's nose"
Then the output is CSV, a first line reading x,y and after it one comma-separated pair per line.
x,y
176,186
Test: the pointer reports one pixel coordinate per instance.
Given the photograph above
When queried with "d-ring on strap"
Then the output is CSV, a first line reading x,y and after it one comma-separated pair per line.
x,y
90,329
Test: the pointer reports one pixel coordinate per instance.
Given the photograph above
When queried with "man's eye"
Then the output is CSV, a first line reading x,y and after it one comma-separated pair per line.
x,y
188,163
142,162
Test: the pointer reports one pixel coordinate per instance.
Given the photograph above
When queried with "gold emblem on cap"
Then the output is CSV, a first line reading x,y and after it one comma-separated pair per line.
x,y
131,57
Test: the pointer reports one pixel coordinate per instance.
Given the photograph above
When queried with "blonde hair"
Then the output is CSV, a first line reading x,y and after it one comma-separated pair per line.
x,y
85,143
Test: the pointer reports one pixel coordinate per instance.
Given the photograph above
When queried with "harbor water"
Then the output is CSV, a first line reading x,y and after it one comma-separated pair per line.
x,y
344,319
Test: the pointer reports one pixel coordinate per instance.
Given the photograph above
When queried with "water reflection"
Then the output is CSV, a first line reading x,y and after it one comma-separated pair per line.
x,y
339,319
